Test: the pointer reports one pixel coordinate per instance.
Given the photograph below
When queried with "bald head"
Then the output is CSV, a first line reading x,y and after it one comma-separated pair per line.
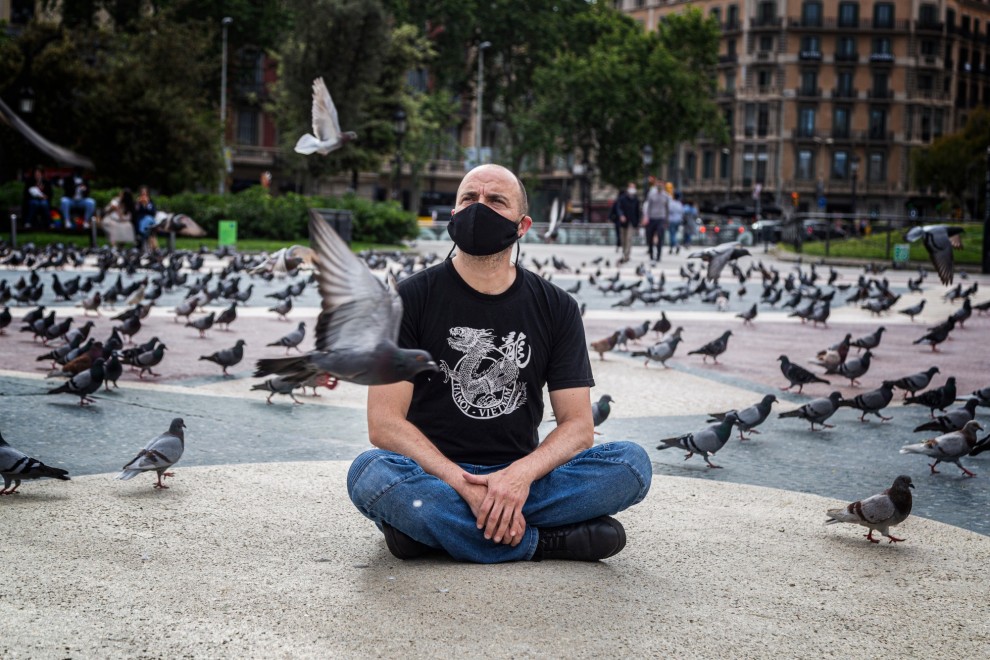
x,y
494,186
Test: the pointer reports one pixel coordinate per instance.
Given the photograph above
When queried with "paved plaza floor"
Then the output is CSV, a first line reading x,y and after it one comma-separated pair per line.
x,y
256,551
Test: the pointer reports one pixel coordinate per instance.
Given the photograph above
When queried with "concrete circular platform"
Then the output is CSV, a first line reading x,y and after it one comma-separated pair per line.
x,y
272,560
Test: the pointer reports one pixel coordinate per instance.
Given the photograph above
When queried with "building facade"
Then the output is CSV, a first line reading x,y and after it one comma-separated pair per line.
x,y
826,99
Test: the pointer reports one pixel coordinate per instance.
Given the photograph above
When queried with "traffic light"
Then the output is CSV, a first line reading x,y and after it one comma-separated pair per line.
x,y
795,198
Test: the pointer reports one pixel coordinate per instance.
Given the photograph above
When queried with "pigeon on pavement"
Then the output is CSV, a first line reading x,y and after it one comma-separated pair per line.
x,y
953,420
853,368
939,240
713,348
817,411
983,396
872,402
327,135
748,315
938,397
227,316
936,335
869,341
949,447
913,310
278,385
662,325
16,466
603,346
203,323
148,359
914,382
797,375
749,418
358,327
291,340
717,257
600,409
660,352
706,442
5,319
282,308
159,454
84,383
228,357
880,512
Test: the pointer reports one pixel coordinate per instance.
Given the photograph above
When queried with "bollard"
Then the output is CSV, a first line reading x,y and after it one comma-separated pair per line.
x,y
92,233
171,242
886,253
13,230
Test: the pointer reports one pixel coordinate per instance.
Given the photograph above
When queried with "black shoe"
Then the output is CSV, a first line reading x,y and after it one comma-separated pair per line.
x,y
402,545
590,540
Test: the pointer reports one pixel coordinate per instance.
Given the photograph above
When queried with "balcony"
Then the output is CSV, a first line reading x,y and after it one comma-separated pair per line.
x,y
840,134
881,95
926,25
928,95
895,25
847,57
810,55
874,136
849,93
928,61
881,58
765,22
730,58
809,92
764,55
731,26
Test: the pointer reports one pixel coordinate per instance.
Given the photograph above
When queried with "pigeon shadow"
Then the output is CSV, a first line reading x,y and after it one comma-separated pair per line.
x,y
858,542
28,497
143,493
67,407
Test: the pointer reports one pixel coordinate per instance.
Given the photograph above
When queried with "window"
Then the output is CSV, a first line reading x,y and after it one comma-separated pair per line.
x,y
929,47
880,86
909,123
840,164
845,48
690,166
247,126
766,12
749,160
925,82
811,14
881,46
730,81
762,119
764,79
926,124
723,165
732,15
939,120
844,84
761,164
878,124
809,83
876,169
964,25
716,13
950,18
806,122
840,121
766,43
811,47
804,167
849,14
883,15
707,165
730,47
749,119
928,14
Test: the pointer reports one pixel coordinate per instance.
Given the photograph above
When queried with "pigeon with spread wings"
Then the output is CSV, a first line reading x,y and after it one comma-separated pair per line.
x,y
358,327
939,240
327,135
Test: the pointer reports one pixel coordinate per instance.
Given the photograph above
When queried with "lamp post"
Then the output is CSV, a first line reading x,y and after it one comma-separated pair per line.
x,y
482,47
728,170
854,169
26,101
225,23
399,128
647,154
986,222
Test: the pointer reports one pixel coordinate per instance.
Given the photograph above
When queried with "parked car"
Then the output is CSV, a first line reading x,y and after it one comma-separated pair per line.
x,y
715,230
767,231
818,230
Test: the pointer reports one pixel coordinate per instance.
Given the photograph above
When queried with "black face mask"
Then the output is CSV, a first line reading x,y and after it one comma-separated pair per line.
x,y
479,230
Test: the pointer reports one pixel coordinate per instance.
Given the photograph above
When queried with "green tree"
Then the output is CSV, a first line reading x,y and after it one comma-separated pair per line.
x,y
956,165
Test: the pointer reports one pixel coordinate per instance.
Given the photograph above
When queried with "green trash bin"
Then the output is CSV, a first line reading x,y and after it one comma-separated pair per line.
x,y
227,232
902,252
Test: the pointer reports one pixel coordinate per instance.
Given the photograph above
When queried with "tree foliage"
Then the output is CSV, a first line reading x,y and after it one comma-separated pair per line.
x,y
956,164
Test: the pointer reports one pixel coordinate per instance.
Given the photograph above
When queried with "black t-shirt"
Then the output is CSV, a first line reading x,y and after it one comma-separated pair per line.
x,y
495,354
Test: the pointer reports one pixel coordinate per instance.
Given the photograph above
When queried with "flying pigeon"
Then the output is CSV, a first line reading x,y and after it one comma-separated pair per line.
x,y
939,240
938,397
953,420
713,348
661,351
228,357
949,447
358,327
817,411
159,454
284,261
872,402
84,383
797,375
717,257
16,466
706,442
291,340
749,418
326,135
880,512
914,382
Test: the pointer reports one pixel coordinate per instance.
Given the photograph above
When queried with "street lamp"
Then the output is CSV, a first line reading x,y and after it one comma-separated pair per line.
x,y
647,154
225,23
482,47
399,128
26,101
728,170
854,169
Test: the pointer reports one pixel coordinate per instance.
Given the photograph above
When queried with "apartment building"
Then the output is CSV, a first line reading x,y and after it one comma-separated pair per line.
x,y
827,99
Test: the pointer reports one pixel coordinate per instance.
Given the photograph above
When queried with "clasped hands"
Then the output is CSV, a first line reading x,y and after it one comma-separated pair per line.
x,y
497,500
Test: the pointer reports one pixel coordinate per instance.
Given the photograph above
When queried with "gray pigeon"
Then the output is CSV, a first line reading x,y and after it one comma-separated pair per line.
x,y
717,257
327,135
227,316
749,418
358,327
279,385
913,310
16,466
228,357
600,409
949,447
853,367
939,240
660,352
872,402
983,396
84,383
291,340
203,323
186,307
869,341
914,382
713,348
287,259
797,375
748,315
282,308
817,411
937,397
159,454
953,420
706,442
880,512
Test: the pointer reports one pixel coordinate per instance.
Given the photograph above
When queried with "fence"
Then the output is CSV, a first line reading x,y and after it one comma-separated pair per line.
x,y
829,227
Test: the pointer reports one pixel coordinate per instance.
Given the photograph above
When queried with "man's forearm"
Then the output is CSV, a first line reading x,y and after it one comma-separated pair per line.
x,y
561,445
402,437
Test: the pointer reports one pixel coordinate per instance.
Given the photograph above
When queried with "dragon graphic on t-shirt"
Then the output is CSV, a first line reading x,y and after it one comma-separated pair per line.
x,y
483,382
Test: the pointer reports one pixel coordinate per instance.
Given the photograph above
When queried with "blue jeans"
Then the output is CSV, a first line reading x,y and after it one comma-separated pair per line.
x,y
391,488
88,206
672,229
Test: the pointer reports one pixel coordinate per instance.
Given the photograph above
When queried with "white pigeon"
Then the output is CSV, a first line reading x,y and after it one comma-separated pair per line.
x,y
556,215
880,512
326,127
160,454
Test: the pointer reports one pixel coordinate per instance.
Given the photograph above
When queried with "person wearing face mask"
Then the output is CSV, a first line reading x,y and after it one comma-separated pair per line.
x,y
629,215
458,465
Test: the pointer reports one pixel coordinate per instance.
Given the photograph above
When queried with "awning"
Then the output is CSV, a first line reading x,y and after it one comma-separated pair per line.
x,y
61,155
